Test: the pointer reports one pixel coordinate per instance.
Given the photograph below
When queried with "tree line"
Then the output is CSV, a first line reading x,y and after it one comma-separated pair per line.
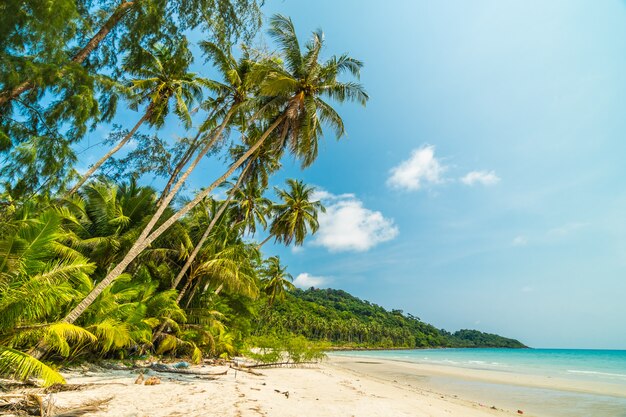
x,y
346,321
94,264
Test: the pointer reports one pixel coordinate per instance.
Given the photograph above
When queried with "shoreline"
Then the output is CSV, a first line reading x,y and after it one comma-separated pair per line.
x,y
533,394
340,386
490,376
320,390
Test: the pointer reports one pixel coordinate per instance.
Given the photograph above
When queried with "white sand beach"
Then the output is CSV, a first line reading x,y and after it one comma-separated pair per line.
x,y
339,386
332,388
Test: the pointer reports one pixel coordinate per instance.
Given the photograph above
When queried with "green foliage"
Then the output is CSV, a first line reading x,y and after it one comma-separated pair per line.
x,y
288,349
19,365
63,71
344,320
474,338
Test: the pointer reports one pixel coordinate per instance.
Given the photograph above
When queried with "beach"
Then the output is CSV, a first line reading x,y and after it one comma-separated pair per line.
x,y
350,386
336,387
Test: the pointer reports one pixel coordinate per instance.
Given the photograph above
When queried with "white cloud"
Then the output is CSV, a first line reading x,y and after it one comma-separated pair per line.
x,y
480,177
420,169
349,226
306,280
519,241
527,288
297,249
321,194
566,229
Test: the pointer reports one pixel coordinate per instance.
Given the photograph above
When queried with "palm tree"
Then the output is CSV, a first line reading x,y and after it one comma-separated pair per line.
x,y
161,76
296,216
102,220
231,101
276,280
293,103
39,279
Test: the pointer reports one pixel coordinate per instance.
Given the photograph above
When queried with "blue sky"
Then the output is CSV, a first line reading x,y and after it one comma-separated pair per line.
x,y
527,95
483,185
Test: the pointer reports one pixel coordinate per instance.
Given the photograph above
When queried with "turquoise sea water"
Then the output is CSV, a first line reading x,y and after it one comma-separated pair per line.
x,y
597,367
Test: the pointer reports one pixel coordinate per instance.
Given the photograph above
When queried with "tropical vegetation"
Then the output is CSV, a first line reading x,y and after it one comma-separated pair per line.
x,y
95,263
345,321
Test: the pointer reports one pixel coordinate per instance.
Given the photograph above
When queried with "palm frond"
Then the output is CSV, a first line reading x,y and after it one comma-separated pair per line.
x,y
19,365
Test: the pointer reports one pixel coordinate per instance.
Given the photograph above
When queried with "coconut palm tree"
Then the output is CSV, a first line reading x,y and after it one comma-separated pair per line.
x,y
293,104
40,278
161,75
231,101
275,279
296,216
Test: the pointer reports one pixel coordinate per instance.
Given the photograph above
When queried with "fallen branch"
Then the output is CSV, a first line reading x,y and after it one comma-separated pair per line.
x,y
242,369
267,365
166,369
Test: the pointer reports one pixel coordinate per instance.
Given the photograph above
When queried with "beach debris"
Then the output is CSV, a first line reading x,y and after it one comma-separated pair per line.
x,y
285,393
139,379
29,404
159,367
153,380
181,365
250,371
520,412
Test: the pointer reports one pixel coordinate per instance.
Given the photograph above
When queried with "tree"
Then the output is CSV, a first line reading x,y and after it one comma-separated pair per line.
x,y
275,279
296,216
300,120
161,75
58,66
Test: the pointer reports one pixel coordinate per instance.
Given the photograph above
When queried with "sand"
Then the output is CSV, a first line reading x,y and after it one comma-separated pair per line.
x,y
336,388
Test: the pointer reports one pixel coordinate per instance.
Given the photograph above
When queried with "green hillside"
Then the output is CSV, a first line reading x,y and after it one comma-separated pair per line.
x,y
347,321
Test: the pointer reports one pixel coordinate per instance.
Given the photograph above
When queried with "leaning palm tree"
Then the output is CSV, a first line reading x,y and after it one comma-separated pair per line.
x,y
231,101
296,216
161,75
275,279
295,108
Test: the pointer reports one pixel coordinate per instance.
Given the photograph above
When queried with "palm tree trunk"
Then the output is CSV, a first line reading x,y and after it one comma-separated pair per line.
x,y
208,230
264,241
111,152
80,56
193,147
196,250
145,239
179,167
193,292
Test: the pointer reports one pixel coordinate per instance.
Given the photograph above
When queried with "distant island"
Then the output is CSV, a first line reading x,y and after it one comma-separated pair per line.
x,y
349,322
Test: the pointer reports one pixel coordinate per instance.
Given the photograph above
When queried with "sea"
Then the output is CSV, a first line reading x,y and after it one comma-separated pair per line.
x,y
598,369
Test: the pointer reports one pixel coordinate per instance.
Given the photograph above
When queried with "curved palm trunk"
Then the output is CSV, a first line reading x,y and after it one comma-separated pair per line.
x,y
80,56
177,170
208,230
111,152
184,160
196,250
264,241
145,239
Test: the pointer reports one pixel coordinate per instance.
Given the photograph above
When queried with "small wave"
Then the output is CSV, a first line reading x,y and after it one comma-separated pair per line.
x,y
576,371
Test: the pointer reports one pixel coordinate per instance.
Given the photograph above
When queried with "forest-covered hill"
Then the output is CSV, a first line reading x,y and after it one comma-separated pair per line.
x,y
345,320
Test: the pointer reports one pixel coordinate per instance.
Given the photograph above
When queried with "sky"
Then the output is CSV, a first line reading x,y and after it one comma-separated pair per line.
x,y
483,185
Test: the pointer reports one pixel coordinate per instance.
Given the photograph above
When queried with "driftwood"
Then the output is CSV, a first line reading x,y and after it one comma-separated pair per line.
x,y
158,367
246,369
40,406
269,365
